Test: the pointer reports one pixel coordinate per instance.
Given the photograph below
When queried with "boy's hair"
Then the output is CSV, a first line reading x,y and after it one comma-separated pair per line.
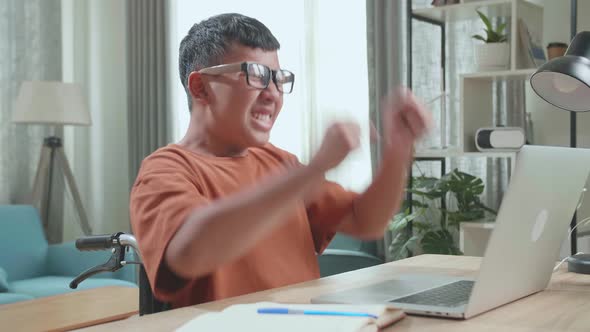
x,y
206,42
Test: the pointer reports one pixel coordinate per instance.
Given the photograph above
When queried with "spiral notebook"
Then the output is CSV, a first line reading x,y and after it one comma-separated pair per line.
x,y
245,317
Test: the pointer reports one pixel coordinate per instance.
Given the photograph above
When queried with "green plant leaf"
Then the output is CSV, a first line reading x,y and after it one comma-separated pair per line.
x,y
479,38
460,216
418,204
415,204
425,182
492,35
402,245
485,20
433,236
433,194
489,36
501,28
460,182
439,242
422,227
491,211
401,220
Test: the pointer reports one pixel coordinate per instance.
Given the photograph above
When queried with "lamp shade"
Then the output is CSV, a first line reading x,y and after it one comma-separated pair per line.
x,y
55,103
565,81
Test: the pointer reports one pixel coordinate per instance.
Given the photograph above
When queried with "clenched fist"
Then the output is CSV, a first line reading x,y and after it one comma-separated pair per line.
x,y
340,139
404,121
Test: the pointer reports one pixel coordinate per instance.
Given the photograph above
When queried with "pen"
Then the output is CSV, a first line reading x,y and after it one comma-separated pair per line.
x,y
287,311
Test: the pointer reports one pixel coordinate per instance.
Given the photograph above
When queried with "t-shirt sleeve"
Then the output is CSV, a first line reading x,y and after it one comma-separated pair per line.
x,y
162,197
326,212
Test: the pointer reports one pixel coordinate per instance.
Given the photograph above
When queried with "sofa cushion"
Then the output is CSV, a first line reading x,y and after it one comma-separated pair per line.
x,y
52,285
24,248
3,281
6,298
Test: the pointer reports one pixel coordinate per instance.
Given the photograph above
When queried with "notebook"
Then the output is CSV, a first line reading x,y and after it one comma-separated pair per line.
x,y
245,317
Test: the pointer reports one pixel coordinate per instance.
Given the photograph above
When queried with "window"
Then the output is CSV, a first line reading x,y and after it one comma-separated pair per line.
x,y
324,44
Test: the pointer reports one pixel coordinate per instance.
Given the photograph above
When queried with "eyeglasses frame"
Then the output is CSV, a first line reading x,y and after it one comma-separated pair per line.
x,y
243,67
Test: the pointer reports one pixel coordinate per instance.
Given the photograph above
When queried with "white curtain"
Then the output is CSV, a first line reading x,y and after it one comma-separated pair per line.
x,y
94,52
30,49
326,52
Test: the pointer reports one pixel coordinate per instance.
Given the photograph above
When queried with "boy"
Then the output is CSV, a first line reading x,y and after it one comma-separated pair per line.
x,y
223,212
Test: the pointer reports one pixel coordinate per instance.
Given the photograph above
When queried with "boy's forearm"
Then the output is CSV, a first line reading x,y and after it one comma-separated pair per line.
x,y
224,230
374,208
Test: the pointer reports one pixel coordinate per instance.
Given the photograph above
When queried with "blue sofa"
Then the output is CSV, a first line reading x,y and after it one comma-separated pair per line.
x,y
30,268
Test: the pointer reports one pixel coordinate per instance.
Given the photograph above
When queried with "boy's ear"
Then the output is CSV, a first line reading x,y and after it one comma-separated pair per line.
x,y
196,87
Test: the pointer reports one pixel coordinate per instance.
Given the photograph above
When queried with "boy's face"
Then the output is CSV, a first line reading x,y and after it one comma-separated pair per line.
x,y
243,115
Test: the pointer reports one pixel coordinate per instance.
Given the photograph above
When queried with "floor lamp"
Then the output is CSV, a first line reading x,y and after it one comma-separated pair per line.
x,y
55,104
565,82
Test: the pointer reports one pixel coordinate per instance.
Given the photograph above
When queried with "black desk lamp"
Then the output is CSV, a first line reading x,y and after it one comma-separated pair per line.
x,y
565,83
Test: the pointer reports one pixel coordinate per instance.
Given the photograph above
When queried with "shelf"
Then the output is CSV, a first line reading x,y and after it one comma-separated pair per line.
x,y
465,11
478,224
447,153
519,74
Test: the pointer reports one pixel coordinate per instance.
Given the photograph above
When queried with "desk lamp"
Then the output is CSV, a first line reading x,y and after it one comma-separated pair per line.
x,y
565,83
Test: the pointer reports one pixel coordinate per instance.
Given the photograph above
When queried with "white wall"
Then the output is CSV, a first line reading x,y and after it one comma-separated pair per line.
x,y
551,125
583,119
94,54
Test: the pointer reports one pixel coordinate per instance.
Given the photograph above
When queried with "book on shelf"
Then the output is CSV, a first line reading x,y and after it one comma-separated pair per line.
x,y
534,54
248,317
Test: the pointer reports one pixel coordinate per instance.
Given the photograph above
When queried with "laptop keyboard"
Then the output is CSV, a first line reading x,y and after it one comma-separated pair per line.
x,y
450,295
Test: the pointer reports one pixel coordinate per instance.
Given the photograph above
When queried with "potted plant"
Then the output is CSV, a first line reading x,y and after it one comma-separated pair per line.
x,y
438,209
494,53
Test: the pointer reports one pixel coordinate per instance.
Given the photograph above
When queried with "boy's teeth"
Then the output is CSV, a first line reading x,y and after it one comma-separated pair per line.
x,y
259,116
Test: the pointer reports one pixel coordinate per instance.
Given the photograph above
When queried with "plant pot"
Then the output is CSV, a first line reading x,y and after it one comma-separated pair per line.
x,y
474,236
492,56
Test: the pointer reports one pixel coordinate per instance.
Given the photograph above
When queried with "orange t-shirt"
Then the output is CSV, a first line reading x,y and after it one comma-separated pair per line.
x,y
173,181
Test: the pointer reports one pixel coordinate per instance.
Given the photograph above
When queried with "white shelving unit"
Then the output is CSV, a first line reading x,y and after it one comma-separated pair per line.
x,y
530,13
450,153
456,153
476,92
518,74
476,110
466,11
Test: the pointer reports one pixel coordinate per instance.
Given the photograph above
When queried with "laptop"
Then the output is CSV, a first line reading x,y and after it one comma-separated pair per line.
x,y
531,224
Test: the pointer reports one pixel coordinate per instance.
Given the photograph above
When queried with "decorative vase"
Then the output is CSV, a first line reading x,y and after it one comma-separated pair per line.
x,y
492,56
555,50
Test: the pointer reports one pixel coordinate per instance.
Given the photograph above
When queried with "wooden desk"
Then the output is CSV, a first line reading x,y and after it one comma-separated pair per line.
x,y
564,306
70,311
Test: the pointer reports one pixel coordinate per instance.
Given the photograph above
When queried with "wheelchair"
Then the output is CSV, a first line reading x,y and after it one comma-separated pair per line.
x,y
119,244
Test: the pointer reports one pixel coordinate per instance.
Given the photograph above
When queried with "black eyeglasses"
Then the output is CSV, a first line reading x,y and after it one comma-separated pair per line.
x,y
257,76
